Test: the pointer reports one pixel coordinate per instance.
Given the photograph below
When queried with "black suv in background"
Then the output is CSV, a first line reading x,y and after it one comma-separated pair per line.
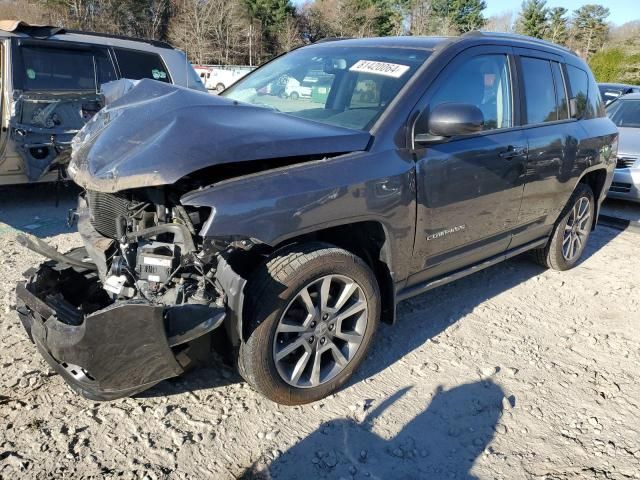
x,y
299,223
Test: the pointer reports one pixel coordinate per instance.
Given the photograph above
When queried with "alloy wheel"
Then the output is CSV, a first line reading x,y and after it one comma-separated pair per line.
x,y
576,230
320,331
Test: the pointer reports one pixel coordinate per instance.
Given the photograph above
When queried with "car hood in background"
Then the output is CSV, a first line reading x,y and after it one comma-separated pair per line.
x,y
629,141
157,133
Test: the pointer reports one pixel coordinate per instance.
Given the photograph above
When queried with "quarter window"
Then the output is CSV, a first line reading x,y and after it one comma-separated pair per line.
x,y
483,81
588,100
138,65
540,95
579,82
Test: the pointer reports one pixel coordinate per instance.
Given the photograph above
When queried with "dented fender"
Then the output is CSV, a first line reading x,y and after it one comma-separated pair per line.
x,y
277,205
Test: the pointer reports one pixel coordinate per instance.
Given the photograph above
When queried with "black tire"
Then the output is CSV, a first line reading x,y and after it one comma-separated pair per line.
x,y
294,96
552,256
219,87
273,288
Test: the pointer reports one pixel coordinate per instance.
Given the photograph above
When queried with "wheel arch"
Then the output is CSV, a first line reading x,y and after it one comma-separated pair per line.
x,y
596,180
366,239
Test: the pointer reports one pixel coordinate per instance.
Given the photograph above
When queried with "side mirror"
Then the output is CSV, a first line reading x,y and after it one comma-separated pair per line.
x,y
450,120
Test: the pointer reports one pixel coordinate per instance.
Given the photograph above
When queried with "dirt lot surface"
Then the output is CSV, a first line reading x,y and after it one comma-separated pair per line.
x,y
512,373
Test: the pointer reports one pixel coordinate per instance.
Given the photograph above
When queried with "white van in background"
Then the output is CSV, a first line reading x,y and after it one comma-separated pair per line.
x,y
219,77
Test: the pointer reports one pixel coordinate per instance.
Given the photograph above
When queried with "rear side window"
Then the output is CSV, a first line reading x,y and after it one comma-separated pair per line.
x,y
137,65
62,69
540,95
588,102
57,69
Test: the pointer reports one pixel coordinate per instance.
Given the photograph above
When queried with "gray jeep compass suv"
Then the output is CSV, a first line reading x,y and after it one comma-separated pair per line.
x,y
297,224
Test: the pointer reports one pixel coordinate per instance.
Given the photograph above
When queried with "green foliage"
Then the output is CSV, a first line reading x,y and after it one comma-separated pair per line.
x,y
590,28
389,16
606,65
532,20
616,66
462,15
557,29
271,14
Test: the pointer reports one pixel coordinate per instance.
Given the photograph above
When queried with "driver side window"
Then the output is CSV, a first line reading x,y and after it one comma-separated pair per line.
x,y
483,81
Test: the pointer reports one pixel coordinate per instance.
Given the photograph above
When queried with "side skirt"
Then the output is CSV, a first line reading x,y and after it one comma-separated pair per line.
x,y
431,284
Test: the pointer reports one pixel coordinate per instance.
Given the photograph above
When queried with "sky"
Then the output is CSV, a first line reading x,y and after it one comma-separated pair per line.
x,y
621,11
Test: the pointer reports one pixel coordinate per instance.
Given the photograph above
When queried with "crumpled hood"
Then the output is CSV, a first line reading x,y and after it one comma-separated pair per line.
x,y
158,133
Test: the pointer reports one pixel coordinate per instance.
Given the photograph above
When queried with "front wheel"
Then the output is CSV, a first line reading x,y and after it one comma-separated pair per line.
x,y
571,231
313,311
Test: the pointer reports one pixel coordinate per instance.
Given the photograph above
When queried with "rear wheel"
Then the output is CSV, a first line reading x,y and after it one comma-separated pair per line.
x,y
312,316
571,232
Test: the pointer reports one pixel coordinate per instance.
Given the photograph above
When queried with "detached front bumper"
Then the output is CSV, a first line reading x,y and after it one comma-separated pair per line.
x,y
113,352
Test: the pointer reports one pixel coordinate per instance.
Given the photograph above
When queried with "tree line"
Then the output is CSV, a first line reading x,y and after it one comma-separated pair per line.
x,y
252,31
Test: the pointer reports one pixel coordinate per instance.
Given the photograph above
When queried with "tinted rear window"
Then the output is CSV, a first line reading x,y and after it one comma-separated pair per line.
x,y
539,92
586,94
61,69
138,65
56,69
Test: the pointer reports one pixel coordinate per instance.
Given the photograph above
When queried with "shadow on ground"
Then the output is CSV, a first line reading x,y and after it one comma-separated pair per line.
x,y
443,441
32,208
425,316
622,209
419,319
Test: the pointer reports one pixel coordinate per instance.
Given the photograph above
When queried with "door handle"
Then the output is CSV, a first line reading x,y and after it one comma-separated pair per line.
x,y
513,151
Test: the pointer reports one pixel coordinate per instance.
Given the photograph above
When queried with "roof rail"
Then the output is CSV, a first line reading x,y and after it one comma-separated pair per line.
x,y
331,39
517,36
155,43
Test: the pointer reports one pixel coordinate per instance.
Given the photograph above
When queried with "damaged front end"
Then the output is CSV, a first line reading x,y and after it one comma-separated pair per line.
x,y
42,126
133,306
157,279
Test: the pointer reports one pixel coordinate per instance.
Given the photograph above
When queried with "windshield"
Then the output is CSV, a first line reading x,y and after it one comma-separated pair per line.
x,y
625,113
345,86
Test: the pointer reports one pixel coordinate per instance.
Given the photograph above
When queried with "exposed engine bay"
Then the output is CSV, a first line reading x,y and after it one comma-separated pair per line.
x,y
142,291
144,245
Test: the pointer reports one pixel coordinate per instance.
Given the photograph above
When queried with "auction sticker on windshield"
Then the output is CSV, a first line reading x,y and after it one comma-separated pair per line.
x,y
379,68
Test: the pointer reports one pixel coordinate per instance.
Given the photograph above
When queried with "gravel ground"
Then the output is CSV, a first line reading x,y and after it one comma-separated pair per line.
x,y
512,373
